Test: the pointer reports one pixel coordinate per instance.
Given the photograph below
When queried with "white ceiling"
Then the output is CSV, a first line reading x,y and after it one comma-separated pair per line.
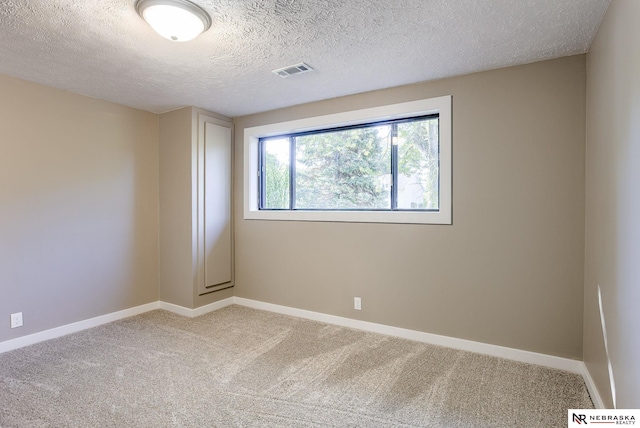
x,y
103,49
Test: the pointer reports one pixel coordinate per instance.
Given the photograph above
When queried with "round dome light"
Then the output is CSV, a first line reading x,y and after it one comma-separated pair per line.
x,y
175,20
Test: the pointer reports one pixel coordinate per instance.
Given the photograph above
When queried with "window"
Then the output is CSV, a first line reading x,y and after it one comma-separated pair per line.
x,y
391,165
385,164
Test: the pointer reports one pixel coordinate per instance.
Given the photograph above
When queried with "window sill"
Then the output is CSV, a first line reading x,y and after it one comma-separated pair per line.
x,y
410,217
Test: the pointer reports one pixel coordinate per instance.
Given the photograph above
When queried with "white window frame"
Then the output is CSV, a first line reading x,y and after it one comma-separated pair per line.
x,y
439,105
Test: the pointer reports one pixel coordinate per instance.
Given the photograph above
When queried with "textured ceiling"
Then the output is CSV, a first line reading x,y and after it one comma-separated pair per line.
x,y
103,49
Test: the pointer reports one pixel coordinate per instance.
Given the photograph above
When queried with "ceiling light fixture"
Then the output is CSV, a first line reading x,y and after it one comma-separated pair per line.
x,y
176,20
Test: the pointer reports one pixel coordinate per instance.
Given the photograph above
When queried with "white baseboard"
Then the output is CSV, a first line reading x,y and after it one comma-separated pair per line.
x,y
41,336
574,366
10,345
192,313
591,387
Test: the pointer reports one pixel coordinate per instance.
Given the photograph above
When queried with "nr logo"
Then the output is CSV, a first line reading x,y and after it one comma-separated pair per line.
x,y
580,419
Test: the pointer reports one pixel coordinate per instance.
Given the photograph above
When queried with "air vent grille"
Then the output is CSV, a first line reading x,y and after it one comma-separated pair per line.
x,y
293,69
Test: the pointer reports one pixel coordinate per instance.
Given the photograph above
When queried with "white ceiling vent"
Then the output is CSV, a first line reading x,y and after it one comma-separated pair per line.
x,y
293,69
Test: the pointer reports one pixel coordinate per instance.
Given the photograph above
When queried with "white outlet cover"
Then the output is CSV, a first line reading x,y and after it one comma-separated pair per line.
x,y
16,320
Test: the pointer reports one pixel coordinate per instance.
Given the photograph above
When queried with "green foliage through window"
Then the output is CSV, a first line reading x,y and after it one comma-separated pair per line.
x,y
382,166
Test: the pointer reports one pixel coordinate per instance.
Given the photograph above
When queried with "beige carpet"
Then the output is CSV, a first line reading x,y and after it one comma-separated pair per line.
x,y
240,367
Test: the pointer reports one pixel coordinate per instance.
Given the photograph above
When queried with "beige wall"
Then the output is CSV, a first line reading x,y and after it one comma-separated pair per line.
x,y
78,213
509,271
613,204
176,259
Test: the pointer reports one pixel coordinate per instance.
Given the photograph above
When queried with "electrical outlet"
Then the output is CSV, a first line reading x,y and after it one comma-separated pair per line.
x,y
357,303
16,320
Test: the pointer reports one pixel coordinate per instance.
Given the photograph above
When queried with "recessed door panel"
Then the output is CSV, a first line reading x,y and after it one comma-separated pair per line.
x,y
217,205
